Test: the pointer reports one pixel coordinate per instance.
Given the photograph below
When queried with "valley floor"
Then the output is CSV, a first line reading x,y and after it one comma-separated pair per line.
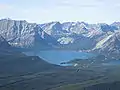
x,y
65,79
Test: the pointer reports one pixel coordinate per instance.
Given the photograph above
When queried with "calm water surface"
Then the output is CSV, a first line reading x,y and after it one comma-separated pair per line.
x,y
56,57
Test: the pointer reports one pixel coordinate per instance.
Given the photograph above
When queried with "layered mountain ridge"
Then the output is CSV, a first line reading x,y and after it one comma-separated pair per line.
x,y
78,36
23,34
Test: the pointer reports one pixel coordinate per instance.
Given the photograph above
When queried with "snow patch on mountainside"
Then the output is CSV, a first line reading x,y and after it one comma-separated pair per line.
x,y
65,40
101,43
68,35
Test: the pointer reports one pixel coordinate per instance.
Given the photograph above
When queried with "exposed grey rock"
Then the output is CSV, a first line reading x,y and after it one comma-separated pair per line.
x,y
100,37
110,46
23,34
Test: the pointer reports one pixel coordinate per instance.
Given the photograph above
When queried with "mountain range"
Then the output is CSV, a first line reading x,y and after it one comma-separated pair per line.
x,y
79,36
22,72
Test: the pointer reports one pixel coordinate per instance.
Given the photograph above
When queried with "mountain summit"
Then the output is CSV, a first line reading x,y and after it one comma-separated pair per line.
x,y
78,36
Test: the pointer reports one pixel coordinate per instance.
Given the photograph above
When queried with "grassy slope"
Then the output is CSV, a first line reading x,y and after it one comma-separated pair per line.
x,y
46,80
20,72
110,77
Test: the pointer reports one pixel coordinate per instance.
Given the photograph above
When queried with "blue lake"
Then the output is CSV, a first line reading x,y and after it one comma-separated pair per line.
x,y
56,57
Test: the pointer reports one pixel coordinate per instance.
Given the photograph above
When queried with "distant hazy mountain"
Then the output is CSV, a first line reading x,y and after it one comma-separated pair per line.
x,y
99,37
24,35
78,36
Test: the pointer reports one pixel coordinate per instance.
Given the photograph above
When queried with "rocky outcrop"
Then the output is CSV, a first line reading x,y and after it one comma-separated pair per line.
x,y
101,37
24,35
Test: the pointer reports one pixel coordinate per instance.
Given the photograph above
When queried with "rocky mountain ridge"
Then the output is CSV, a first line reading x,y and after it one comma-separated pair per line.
x,y
78,36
